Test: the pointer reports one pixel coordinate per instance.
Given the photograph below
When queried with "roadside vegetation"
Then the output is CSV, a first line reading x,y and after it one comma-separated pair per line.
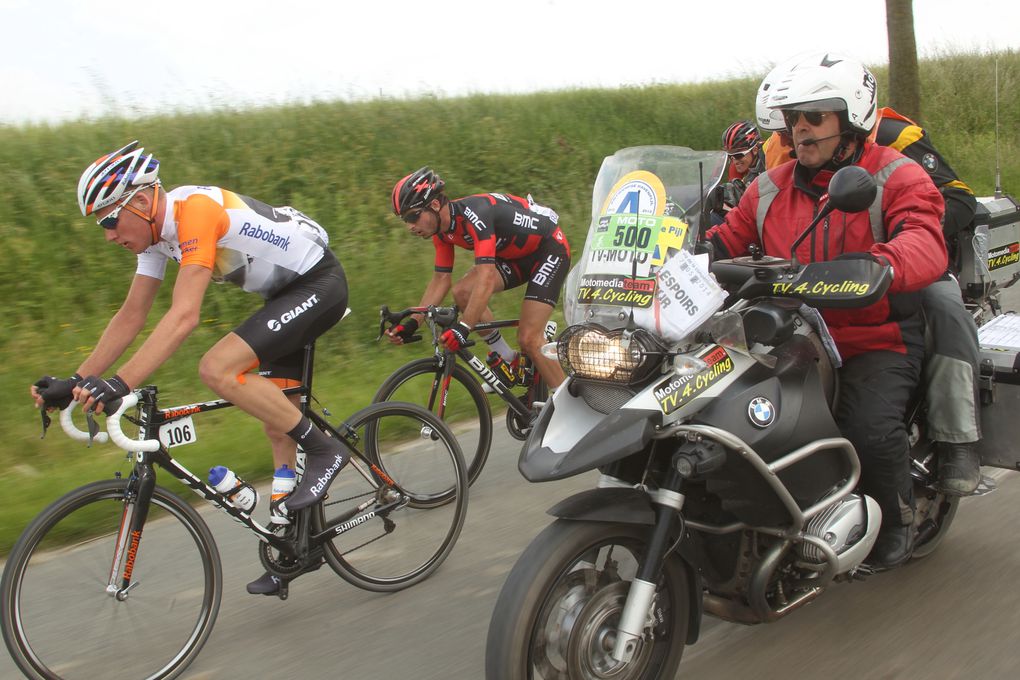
x,y
337,162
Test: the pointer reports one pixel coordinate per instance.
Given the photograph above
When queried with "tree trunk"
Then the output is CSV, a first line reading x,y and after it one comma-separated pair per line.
x,y
904,81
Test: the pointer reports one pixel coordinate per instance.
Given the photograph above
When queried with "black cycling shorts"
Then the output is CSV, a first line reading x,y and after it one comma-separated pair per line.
x,y
545,270
294,317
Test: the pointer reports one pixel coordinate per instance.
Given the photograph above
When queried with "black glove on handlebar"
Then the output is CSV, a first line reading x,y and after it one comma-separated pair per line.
x,y
57,391
106,391
456,336
405,330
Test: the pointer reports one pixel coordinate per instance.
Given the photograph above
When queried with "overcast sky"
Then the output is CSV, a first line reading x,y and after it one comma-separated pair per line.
x,y
66,59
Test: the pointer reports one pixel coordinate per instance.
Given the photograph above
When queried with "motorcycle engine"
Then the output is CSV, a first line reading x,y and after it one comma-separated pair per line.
x,y
841,526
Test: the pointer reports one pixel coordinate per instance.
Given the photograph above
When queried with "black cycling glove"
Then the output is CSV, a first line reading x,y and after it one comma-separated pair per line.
x,y
57,391
456,336
405,330
106,391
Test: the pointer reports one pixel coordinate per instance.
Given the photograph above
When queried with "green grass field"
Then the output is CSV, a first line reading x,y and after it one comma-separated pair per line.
x,y
337,162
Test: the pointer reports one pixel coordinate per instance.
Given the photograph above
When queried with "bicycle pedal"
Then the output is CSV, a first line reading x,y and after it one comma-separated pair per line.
x,y
284,591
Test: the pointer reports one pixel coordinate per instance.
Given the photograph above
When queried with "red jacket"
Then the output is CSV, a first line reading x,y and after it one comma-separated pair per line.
x,y
911,212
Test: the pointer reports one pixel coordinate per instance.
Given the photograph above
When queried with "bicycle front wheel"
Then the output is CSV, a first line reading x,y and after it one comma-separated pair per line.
x,y
62,615
466,409
395,524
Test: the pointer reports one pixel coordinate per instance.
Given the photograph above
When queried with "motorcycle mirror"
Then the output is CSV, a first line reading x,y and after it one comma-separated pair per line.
x,y
852,189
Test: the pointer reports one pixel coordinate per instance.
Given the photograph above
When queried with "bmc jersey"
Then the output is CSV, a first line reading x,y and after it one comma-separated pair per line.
x,y
496,226
243,241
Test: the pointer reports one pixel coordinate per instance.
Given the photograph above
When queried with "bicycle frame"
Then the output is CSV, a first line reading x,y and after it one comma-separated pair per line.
x,y
445,360
143,481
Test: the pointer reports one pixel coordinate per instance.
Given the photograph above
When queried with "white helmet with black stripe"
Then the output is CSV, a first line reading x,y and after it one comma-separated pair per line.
x,y
827,81
107,180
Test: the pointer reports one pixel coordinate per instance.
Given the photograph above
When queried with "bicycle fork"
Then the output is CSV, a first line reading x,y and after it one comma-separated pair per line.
x,y
129,536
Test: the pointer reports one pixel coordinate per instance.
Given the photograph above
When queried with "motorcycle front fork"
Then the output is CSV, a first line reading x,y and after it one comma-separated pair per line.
x,y
637,611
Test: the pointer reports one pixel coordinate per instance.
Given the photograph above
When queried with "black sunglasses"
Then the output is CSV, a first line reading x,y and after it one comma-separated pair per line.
x,y
110,221
812,117
412,217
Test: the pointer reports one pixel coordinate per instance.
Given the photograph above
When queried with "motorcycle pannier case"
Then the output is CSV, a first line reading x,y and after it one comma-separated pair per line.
x,y
990,249
1000,391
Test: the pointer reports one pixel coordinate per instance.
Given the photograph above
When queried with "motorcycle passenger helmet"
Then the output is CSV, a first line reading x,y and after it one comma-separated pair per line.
x,y
826,81
416,190
740,137
770,120
106,181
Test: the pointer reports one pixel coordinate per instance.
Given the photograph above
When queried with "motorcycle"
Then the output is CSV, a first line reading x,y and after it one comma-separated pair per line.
x,y
726,487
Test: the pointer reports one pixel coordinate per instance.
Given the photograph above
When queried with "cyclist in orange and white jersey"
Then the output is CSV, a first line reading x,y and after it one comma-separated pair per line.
x,y
214,235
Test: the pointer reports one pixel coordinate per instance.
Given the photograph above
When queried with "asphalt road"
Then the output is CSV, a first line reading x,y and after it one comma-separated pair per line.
x,y
954,614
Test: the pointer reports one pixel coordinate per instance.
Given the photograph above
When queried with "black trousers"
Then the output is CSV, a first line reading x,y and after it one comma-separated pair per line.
x,y
875,389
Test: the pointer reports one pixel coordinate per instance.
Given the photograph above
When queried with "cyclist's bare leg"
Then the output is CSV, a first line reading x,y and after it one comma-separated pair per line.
x,y
531,335
223,369
463,288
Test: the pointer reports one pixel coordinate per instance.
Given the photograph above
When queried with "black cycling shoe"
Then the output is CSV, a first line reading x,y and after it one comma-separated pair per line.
x,y
320,471
959,469
894,546
267,584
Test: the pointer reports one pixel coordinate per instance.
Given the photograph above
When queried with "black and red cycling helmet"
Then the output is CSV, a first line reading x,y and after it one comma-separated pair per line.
x,y
740,137
416,190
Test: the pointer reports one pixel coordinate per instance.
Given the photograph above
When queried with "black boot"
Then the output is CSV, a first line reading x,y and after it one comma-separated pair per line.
x,y
893,547
959,469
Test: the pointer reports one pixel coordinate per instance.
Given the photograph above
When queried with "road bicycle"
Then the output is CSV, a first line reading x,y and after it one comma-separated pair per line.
x,y
83,596
454,390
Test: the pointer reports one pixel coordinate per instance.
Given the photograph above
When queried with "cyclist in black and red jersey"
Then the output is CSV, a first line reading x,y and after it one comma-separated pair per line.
x,y
515,240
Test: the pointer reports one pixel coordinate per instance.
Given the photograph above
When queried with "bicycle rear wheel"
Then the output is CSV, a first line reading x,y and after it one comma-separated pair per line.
x,y
394,536
61,620
466,409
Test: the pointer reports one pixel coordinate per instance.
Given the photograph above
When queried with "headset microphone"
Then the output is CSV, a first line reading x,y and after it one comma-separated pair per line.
x,y
810,141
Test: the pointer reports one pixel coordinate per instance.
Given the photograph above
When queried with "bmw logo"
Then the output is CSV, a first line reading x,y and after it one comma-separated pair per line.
x,y
761,412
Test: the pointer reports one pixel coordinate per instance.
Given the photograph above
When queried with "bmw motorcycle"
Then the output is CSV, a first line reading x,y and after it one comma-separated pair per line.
x,y
726,487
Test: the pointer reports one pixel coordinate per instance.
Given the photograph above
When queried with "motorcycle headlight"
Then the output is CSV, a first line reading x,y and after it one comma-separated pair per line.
x,y
592,352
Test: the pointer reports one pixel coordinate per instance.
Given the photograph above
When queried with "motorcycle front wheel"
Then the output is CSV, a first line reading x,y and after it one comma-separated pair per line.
x,y
557,615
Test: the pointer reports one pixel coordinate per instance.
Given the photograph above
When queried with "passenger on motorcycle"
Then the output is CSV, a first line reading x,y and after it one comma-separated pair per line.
x,y
952,365
515,240
829,105
742,145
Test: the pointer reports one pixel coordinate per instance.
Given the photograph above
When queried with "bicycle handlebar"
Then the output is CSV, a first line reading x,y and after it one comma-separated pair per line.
x,y
113,427
67,424
444,317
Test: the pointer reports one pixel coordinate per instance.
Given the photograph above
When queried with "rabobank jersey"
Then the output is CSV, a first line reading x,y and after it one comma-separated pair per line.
x,y
258,247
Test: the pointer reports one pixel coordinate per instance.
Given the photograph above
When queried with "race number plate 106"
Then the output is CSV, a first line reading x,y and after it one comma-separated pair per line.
x,y
178,432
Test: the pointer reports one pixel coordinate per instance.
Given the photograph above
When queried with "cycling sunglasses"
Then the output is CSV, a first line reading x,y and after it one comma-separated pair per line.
x,y
412,216
738,155
812,117
110,221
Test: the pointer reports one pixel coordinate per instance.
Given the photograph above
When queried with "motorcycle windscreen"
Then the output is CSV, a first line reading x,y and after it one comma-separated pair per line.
x,y
648,211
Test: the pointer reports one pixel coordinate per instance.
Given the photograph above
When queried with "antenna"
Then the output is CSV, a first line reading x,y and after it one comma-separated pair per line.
x,y
998,178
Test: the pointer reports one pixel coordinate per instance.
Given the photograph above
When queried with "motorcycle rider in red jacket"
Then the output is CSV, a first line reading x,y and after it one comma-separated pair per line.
x,y
829,104
951,373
